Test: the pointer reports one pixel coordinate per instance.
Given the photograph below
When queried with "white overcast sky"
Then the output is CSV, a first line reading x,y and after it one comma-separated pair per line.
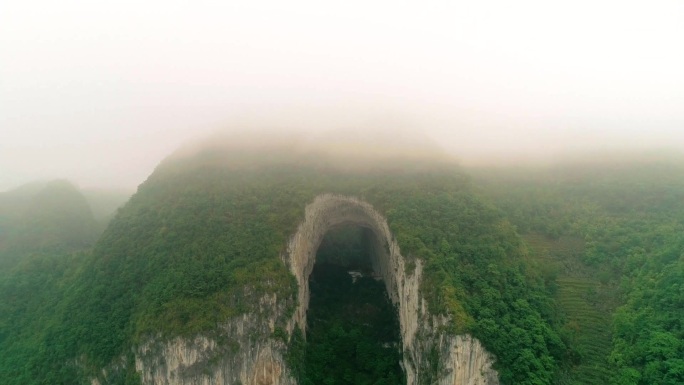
x,y
100,91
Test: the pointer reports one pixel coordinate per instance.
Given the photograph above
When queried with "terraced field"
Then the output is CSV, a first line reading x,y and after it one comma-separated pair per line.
x,y
587,305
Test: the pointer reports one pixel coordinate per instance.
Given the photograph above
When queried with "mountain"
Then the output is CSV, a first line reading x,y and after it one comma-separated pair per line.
x,y
45,217
250,262
609,234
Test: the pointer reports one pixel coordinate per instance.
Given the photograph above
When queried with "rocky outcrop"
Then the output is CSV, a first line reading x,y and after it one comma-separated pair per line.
x,y
462,359
201,361
240,352
243,352
468,364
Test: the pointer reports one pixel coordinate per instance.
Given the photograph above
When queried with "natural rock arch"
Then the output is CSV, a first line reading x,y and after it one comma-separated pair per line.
x,y
203,360
325,213
463,360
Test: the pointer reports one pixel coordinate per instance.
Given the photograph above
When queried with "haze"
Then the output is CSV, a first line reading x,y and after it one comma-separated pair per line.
x,y
101,92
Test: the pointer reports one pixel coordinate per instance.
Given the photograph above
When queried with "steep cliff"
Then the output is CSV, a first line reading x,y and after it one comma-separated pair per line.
x,y
238,352
202,277
462,359
251,357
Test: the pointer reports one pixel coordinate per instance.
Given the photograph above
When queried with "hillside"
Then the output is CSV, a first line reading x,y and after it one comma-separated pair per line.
x,y
610,235
177,258
52,217
45,230
567,276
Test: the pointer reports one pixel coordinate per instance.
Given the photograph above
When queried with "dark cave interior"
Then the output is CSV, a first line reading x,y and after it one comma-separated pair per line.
x,y
353,334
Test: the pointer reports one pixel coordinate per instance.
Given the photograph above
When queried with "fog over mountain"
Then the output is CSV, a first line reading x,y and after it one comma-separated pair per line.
x,y
101,93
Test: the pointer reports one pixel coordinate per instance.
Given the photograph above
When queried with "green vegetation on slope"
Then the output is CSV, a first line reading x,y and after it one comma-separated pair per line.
x,y
47,229
202,238
585,302
474,271
631,218
53,217
33,293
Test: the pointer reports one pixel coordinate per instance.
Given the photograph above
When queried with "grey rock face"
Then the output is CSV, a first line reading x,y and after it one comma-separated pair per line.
x,y
241,352
251,357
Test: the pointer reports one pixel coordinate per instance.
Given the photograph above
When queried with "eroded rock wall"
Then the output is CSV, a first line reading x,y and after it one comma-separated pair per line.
x,y
468,364
240,352
243,352
462,359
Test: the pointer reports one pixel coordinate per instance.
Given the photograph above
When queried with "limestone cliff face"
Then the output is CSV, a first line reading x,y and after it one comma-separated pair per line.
x,y
462,359
242,351
468,363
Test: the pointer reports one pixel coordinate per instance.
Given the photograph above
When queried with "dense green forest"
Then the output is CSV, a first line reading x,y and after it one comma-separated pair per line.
x,y
617,232
508,255
46,232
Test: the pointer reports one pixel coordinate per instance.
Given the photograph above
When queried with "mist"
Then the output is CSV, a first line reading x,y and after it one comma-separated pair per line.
x,y
101,93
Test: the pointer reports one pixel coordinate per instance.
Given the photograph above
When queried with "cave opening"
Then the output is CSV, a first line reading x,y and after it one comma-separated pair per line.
x,y
353,333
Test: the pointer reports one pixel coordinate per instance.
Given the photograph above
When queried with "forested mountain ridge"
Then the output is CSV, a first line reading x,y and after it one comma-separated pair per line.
x,y
176,257
54,216
45,218
504,257
622,224
46,230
